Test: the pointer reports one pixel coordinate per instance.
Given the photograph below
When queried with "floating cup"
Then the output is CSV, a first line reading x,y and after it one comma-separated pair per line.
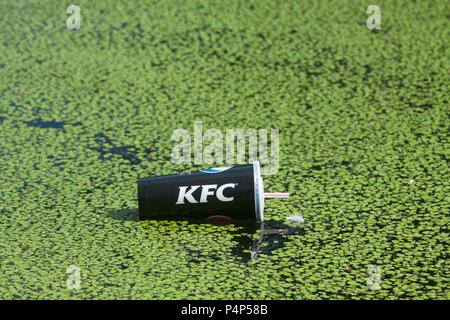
x,y
234,192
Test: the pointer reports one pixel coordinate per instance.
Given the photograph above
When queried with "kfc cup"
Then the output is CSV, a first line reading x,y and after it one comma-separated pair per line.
x,y
234,192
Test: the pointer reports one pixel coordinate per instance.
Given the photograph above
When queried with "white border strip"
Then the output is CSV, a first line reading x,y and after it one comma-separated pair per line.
x,y
259,192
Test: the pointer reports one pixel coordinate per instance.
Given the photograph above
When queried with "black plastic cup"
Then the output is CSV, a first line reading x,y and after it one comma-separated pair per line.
x,y
234,192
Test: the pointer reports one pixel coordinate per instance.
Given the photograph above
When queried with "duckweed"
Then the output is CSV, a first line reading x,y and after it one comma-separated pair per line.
x,y
363,120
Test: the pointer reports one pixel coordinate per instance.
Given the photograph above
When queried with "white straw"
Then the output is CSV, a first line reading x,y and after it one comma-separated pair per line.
x,y
276,195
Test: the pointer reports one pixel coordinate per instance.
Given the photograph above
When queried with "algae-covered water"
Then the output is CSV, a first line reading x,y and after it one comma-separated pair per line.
x,y
363,120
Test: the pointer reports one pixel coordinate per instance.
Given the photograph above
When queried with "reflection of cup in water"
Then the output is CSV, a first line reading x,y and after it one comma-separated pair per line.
x,y
229,192
270,236
263,232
